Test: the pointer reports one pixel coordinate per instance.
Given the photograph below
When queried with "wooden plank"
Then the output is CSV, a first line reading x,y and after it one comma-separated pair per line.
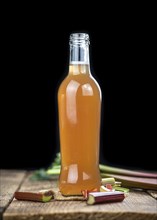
x,y
138,205
10,181
153,193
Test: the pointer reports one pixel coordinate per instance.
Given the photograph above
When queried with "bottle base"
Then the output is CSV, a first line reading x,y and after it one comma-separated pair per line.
x,y
71,194
67,190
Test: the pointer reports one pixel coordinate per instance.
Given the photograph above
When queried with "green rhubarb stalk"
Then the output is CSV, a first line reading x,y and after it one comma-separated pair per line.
x,y
110,180
122,189
120,171
53,171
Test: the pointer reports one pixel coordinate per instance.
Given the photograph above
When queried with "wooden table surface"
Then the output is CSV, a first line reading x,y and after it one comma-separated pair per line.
x,y
138,205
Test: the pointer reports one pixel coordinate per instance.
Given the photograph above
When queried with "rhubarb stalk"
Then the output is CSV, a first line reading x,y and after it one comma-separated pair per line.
x,y
102,197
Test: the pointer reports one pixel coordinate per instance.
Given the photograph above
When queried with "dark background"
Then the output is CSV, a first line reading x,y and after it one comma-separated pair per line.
x,y
36,56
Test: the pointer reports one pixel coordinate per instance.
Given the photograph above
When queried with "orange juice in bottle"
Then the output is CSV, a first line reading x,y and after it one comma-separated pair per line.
x,y
79,108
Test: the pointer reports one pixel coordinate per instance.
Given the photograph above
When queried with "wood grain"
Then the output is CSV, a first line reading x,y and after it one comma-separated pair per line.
x,y
153,193
138,205
9,183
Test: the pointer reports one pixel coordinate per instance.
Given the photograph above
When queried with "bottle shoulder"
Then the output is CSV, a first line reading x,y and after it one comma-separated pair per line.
x,y
86,83
80,79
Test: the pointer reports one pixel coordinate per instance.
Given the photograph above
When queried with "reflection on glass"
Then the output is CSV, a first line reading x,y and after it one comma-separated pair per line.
x,y
85,176
73,173
87,90
71,101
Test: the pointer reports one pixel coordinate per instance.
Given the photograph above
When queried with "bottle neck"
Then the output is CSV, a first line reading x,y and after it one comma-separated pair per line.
x,y
77,69
79,58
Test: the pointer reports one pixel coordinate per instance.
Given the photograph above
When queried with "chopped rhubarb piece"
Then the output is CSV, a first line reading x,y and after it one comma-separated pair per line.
x,y
109,186
85,192
104,189
103,197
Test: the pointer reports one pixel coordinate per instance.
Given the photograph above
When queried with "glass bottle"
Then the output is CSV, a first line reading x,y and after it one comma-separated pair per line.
x,y
79,107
